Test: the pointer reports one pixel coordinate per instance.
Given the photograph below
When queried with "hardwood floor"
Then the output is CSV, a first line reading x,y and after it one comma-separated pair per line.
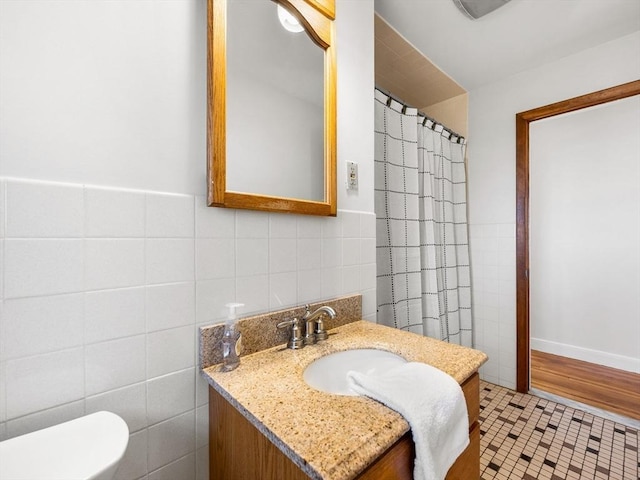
x,y
607,388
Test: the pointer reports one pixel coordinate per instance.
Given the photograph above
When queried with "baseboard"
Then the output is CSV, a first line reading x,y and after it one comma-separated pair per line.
x,y
628,364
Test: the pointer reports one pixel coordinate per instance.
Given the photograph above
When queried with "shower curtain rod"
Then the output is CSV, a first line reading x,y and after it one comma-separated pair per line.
x,y
426,117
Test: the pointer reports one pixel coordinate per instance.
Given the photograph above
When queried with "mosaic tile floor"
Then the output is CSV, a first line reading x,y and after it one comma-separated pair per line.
x,y
525,437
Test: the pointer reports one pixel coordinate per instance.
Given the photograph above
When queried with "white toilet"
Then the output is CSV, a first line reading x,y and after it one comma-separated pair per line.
x,y
87,448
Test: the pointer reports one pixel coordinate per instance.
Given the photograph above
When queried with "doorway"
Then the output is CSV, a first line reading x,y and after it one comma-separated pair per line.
x,y
565,376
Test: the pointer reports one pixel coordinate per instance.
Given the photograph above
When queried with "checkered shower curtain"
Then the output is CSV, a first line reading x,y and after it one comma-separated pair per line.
x,y
424,283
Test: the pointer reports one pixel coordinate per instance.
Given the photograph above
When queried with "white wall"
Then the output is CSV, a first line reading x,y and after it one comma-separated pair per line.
x,y
109,260
264,138
491,155
584,239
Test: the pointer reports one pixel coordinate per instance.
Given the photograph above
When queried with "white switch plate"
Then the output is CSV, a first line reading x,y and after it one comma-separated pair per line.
x,y
352,176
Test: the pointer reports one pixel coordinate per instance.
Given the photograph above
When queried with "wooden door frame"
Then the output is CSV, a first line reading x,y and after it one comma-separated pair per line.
x,y
523,119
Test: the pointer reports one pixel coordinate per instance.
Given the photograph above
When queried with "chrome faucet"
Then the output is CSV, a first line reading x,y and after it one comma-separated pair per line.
x,y
311,334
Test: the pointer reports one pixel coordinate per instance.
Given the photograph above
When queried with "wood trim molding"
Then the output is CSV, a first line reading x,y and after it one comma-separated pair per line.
x,y
523,119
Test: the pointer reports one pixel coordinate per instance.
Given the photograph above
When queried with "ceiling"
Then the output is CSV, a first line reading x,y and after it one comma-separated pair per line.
x,y
519,36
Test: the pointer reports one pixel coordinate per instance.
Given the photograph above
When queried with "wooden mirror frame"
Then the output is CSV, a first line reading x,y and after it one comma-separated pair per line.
x,y
523,120
317,17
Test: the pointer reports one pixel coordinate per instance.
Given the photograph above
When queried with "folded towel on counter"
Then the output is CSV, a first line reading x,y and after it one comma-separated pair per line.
x,y
433,404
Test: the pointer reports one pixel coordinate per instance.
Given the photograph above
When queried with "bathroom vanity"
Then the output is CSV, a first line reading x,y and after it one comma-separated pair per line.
x,y
267,423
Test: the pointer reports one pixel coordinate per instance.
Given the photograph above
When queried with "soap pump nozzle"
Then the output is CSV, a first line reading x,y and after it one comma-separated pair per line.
x,y
231,339
232,315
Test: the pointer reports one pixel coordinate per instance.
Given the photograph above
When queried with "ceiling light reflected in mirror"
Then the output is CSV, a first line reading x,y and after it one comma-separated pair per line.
x,y
288,21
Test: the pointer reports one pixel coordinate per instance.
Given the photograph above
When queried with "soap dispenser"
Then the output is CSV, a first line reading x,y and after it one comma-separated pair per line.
x,y
231,339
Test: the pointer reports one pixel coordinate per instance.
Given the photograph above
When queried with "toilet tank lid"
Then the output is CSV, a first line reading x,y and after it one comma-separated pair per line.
x,y
78,449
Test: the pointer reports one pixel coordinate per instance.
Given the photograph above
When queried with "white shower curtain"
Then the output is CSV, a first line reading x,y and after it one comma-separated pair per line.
x,y
424,283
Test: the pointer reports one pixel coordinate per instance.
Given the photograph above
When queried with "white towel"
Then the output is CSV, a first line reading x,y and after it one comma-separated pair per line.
x,y
433,404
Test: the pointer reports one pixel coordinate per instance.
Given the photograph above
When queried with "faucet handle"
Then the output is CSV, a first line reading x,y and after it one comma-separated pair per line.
x,y
320,333
296,340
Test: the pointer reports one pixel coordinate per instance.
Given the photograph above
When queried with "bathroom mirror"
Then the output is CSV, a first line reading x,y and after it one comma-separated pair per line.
x,y
271,140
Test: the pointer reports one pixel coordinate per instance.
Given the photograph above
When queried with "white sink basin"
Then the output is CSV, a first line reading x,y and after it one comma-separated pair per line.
x,y
329,373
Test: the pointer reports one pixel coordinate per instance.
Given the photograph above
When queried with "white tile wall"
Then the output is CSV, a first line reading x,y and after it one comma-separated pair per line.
x,y
114,364
114,262
43,381
114,314
44,210
129,402
171,440
114,213
493,261
170,350
34,267
102,291
25,333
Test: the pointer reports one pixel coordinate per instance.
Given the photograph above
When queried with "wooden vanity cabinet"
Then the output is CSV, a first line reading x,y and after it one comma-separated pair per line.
x,y
397,462
238,451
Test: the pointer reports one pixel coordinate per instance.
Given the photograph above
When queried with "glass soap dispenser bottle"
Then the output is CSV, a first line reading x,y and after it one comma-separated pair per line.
x,y
231,339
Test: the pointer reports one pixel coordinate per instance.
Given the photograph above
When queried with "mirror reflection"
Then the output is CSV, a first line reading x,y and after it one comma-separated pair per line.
x,y
275,105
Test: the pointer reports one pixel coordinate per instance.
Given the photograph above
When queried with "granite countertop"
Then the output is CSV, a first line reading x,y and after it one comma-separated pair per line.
x,y
330,437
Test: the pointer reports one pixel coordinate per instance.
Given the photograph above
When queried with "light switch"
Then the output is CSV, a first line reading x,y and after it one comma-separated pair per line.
x,y
352,176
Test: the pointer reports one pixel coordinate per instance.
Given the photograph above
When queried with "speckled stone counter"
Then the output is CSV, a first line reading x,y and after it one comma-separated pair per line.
x,y
330,437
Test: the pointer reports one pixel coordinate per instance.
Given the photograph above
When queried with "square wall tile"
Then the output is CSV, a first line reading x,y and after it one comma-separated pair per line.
x,y
350,279
45,418
282,255
331,282
114,364
3,208
202,463
170,395
3,390
1,272
215,258
202,390
171,440
368,250
170,350
332,227
48,210
128,402
211,298
252,256
253,292
202,426
214,222
114,313
282,225
114,263
42,267
36,325
169,260
331,252
351,249
282,290
170,305
350,224
252,224
134,462
169,215
59,374
368,225
114,213
183,468
309,286
369,304
309,227
368,276
309,254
